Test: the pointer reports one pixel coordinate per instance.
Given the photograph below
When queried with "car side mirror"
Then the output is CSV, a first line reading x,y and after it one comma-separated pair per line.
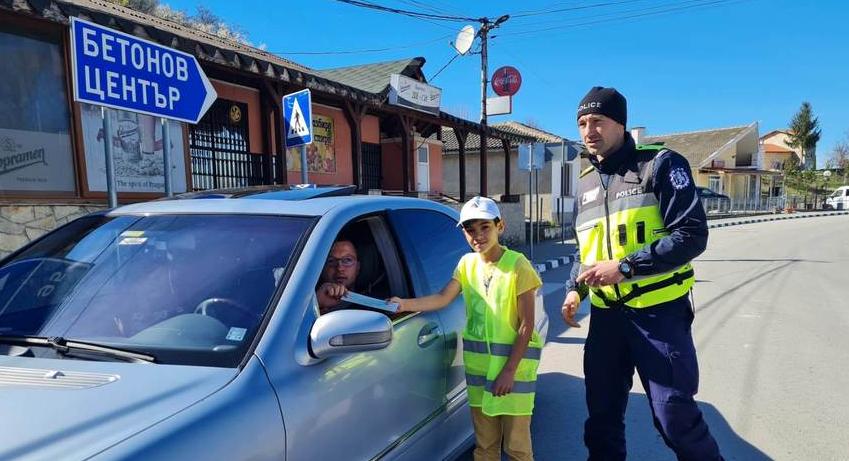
x,y
350,330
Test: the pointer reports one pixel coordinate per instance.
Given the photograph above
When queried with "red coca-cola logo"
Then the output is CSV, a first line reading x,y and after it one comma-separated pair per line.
x,y
506,81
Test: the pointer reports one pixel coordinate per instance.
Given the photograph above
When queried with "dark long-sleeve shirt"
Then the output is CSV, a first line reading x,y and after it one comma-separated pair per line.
x,y
682,211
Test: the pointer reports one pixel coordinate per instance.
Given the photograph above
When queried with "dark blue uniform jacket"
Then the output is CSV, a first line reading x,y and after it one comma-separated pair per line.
x,y
682,211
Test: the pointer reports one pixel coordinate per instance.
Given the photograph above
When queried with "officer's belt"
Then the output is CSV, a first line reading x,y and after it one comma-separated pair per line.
x,y
638,290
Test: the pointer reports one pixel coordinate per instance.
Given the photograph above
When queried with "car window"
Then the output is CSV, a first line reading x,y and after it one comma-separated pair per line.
x,y
432,245
374,270
190,289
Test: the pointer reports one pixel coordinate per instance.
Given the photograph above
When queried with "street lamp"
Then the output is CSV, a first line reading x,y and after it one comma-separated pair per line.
x,y
826,175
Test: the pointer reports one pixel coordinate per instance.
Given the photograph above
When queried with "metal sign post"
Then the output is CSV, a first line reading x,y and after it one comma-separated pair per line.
x,y
304,166
114,69
111,188
532,158
166,156
562,190
531,198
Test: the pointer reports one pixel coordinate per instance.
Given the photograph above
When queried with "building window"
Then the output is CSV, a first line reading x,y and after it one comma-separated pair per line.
x,y
35,141
715,183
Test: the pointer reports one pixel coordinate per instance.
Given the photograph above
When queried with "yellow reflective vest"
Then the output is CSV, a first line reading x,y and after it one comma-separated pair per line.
x,y
620,219
491,323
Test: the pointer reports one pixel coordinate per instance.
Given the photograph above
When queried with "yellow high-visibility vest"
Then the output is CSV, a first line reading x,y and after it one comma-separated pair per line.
x,y
491,329
619,220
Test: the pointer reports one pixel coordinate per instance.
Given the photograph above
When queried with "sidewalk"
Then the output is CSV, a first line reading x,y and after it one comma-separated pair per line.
x,y
714,223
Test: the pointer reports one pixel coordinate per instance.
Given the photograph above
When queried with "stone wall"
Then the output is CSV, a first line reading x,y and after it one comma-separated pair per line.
x,y
22,223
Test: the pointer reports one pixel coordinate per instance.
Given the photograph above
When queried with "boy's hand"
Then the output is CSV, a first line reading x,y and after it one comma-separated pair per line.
x,y
570,308
504,383
400,302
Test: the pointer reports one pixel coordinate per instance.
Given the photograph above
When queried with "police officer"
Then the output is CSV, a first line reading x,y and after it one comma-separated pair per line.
x,y
639,223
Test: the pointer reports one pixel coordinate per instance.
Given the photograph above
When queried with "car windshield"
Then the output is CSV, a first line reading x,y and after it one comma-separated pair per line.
x,y
837,193
188,289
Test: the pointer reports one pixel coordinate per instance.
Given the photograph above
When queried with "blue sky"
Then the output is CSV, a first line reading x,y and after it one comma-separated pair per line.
x,y
716,64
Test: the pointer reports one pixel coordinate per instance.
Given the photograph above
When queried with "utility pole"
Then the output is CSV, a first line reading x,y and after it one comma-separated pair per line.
x,y
486,26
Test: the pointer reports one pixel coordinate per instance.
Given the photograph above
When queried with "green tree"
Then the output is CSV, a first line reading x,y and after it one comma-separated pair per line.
x,y
791,172
805,134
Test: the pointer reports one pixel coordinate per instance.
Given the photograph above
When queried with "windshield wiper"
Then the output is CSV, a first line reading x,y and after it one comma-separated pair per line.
x,y
65,346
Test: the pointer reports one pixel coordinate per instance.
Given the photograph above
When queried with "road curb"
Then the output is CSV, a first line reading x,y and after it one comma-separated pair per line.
x,y
548,264
776,218
553,263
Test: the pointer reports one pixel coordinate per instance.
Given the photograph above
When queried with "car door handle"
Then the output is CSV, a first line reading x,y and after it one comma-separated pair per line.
x,y
428,334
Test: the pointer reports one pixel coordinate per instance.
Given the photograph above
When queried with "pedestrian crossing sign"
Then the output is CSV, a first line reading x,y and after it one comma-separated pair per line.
x,y
297,118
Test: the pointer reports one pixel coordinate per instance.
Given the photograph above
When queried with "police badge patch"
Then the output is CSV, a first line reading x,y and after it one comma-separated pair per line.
x,y
679,178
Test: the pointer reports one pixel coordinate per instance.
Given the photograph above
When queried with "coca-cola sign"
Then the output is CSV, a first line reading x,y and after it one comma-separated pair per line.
x,y
506,81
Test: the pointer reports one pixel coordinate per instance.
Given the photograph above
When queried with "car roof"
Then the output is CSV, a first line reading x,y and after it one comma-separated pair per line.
x,y
276,200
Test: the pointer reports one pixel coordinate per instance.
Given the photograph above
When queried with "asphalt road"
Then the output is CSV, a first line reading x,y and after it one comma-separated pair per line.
x,y
772,333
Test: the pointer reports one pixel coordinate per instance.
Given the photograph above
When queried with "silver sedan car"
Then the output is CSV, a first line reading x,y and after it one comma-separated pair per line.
x,y
190,329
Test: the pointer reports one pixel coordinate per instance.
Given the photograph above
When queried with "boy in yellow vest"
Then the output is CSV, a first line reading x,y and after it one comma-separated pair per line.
x,y
501,350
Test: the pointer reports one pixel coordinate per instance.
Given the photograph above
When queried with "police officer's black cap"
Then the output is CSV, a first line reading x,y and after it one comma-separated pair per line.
x,y
605,101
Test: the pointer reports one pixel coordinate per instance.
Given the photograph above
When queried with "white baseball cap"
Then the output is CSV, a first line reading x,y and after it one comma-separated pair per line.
x,y
479,208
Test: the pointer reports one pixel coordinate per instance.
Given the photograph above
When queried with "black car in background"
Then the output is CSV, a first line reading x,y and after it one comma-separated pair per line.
x,y
714,202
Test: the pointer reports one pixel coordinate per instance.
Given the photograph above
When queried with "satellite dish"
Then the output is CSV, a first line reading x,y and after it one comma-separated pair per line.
x,y
464,39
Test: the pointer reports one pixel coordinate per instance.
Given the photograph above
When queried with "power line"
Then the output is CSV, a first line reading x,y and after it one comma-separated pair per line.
x,y
431,8
373,50
571,8
614,14
414,14
632,16
443,67
521,62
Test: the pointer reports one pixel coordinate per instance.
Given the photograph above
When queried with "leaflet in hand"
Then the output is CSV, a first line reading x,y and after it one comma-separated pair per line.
x,y
362,300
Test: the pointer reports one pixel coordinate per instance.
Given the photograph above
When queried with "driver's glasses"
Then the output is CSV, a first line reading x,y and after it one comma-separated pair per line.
x,y
347,261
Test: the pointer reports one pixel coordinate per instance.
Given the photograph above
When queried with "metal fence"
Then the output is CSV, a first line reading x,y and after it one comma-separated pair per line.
x,y
724,206
215,169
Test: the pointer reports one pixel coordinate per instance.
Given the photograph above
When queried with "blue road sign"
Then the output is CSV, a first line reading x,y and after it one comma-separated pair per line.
x,y
297,118
531,156
118,70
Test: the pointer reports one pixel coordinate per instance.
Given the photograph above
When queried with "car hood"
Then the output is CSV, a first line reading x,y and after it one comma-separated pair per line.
x,y
70,409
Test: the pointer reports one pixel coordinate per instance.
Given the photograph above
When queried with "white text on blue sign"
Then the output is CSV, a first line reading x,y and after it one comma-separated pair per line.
x,y
119,70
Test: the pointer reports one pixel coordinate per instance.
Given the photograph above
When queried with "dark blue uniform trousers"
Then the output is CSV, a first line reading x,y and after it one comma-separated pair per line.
x,y
658,342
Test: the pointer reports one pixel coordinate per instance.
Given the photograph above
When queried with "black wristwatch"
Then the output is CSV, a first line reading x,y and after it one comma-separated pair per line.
x,y
626,268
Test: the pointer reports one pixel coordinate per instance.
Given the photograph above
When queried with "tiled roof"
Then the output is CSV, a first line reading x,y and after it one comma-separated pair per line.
x,y
696,146
373,78
787,132
776,149
528,131
519,130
